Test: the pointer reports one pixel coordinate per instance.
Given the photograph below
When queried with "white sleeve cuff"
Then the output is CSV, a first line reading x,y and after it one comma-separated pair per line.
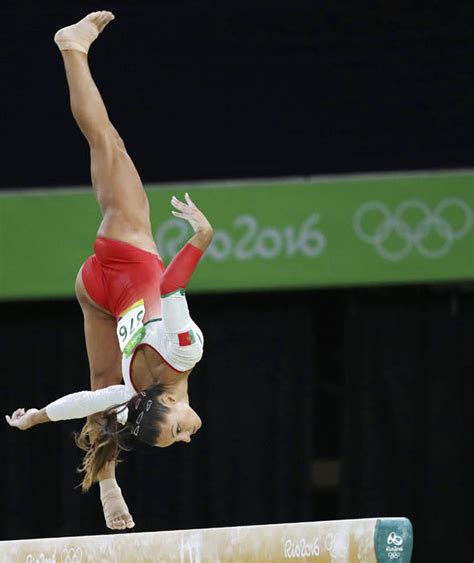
x,y
85,403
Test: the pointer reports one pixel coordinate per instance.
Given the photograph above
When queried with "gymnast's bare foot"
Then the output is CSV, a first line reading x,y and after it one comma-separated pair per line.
x,y
80,36
116,513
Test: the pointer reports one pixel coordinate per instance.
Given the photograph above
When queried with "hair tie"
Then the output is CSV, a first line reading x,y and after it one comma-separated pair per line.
x,y
122,416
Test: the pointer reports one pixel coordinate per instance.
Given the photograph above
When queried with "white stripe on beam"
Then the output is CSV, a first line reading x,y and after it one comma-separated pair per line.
x,y
369,540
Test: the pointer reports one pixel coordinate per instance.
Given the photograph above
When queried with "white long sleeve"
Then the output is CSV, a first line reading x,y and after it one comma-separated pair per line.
x,y
185,342
85,403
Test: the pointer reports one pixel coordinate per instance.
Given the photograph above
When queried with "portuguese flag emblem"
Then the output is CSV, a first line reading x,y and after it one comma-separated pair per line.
x,y
186,338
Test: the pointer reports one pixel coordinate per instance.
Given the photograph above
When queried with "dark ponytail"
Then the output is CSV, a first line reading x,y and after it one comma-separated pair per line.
x,y
103,438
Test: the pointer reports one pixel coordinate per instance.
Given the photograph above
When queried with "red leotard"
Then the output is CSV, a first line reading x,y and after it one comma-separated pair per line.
x,y
120,274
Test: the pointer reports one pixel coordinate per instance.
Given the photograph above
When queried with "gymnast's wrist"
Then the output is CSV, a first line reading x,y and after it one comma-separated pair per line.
x,y
40,417
205,233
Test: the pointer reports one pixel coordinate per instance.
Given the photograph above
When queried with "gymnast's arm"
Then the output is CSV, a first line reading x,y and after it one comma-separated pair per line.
x,y
75,405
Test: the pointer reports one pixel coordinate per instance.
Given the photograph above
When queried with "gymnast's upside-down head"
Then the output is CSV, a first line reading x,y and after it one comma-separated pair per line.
x,y
154,416
158,418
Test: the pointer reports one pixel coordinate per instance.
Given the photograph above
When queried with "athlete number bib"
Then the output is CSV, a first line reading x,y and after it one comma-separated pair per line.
x,y
130,328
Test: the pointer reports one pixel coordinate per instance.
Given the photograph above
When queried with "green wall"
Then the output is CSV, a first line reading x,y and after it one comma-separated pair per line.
x,y
275,234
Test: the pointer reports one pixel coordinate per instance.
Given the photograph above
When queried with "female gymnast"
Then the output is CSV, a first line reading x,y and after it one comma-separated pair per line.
x,y
136,319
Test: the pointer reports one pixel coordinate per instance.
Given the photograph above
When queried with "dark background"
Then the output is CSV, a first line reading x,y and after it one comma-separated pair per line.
x,y
205,89
376,380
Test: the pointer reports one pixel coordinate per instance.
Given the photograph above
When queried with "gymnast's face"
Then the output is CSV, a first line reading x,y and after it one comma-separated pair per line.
x,y
181,423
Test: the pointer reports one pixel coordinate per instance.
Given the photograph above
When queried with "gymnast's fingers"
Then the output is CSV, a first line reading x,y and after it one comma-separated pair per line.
x,y
178,204
18,414
189,201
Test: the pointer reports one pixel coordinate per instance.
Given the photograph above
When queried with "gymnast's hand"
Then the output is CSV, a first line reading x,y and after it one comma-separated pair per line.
x,y
23,420
190,213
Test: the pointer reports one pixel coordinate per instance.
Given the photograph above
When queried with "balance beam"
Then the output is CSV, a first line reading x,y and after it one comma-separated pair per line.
x,y
368,540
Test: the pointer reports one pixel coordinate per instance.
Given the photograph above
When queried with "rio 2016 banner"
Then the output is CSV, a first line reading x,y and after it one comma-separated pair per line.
x,y
278,234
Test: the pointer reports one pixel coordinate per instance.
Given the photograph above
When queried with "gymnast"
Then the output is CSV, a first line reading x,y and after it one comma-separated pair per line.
x,y
136,320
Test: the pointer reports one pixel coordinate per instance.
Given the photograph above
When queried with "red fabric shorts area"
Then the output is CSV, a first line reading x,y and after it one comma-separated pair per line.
x,y
120,274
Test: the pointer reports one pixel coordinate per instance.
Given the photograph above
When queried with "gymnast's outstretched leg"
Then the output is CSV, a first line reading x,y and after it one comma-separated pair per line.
x,y
125,217
117,185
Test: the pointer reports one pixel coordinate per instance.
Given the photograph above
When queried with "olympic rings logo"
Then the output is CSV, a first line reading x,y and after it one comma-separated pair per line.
x,y
71,555
397,541
413,236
